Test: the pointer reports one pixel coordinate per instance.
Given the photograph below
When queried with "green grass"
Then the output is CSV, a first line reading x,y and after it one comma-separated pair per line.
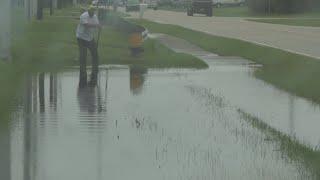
x,y
294,150
171,8
291,21
291,72
244,11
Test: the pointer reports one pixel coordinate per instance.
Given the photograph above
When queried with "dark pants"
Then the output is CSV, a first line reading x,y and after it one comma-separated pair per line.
x,y
92,46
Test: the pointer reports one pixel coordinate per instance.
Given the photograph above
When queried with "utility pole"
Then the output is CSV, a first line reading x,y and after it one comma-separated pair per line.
x,y
51,7
5,30
28,9
40,10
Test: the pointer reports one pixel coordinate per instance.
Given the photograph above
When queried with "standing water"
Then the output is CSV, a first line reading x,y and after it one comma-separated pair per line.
x,y
156,124
137,123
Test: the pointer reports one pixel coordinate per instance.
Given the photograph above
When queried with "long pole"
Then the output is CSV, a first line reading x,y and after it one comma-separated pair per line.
x,y
51,7
98,39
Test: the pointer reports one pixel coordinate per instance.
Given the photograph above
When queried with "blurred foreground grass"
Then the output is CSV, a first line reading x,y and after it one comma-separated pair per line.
x,y
290,147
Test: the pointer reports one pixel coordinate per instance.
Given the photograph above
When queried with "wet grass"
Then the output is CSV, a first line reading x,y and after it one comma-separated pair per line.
x,y
294,73
172,8
291,21
306,157
295,151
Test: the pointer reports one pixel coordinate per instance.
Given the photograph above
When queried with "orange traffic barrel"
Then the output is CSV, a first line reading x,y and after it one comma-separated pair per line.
x,y
135,40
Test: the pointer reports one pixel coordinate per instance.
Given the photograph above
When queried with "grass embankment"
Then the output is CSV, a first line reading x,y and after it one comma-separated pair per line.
x,y
311,18
50,45
294,73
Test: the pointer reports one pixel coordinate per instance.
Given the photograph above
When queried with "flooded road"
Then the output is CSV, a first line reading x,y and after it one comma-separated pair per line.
x,y
137,123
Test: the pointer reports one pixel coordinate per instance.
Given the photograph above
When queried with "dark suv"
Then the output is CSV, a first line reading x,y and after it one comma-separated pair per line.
x,y
200,7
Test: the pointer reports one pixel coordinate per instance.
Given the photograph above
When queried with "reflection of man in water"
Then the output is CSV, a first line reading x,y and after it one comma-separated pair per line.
x,y
89,97
85,35
137,79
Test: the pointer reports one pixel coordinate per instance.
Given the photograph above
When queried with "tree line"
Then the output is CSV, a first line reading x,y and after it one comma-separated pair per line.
x,y
282,6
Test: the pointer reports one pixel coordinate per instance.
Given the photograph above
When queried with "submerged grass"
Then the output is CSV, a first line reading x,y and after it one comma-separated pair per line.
x,y
291,72
245,12
300,153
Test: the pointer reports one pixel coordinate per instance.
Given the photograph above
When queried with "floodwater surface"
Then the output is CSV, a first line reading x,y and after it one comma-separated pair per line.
x,y
141,124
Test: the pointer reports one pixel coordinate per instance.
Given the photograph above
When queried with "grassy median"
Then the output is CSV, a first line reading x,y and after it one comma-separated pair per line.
x,y
291,72
291,21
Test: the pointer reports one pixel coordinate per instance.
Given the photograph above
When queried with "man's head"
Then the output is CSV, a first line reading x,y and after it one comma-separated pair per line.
x,y
91,11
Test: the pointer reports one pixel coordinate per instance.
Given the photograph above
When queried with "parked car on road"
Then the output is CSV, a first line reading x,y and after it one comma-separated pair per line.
x,y
220,3
200,7
152,4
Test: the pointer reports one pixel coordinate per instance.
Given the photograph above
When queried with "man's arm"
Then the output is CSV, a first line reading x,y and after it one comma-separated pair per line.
x,y
92,25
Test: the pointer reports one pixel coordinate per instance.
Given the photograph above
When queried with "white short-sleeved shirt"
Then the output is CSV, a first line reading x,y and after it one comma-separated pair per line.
x,y
83,32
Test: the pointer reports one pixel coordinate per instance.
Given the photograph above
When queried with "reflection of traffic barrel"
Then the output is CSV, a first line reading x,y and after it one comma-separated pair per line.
x,y
135,43
137,78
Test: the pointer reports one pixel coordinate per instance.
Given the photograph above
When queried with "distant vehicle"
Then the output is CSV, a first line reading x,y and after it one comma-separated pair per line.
x,y
95,2
200,7
153,4
132,5
220,3
99,2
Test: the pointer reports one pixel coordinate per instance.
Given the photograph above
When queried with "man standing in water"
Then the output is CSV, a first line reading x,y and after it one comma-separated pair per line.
x,y
85,35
